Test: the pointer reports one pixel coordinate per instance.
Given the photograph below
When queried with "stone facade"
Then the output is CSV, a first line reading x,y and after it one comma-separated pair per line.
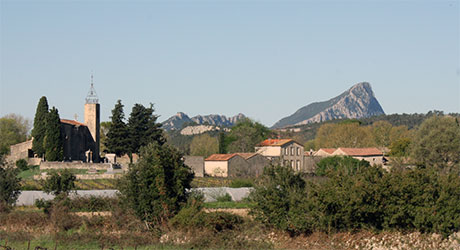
x,y
77,142
92,121
196,163
21,150
285,152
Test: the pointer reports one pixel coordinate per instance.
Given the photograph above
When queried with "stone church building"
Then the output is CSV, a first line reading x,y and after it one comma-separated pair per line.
x,y
81,140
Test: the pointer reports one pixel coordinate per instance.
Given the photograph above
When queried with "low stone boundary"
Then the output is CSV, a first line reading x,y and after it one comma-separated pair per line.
x,y
74,165
27,198
85,176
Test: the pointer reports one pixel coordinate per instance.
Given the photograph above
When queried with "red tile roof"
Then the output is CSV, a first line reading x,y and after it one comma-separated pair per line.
x,y
361,151
72,122
246,155
328,150
274,142
220,157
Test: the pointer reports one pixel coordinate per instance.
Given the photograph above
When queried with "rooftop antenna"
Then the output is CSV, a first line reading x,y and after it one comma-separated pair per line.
x,y
92,96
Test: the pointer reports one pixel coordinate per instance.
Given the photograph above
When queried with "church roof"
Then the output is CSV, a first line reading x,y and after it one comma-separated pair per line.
x,y
72,122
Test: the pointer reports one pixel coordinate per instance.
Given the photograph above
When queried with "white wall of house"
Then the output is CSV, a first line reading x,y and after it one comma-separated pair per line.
x,y
373,160
216,168
271,151
322,153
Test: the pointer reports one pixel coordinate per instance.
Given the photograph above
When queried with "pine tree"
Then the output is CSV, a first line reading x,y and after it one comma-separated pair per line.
x,y
53,143
39,130
117,136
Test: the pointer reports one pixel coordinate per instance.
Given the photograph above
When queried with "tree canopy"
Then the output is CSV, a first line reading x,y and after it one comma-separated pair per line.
x,y
13,129
39,130
245,135
117,134
53,143
204,145
437,143
156,186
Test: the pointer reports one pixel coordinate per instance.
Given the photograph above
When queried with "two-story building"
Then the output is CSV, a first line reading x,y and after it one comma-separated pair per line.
x,y
286,152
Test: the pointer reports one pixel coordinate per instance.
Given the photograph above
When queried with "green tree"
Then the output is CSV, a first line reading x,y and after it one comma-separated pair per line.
x,y
10,186
381,131
117,136
59,182
347,164
39,130
13,129
400,147
156,186
143,128
349,134
437,143
222,144
245,135
204,145
53,143
105,127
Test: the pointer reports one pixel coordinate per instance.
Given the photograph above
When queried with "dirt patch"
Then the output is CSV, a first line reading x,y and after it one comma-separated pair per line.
x,y
238,211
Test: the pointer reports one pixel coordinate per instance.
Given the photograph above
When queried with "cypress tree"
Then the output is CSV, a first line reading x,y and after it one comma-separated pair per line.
x,y
117,136
54,146
39,130
143,128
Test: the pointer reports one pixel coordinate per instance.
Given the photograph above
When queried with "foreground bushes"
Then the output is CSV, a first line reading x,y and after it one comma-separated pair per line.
x,y
419,199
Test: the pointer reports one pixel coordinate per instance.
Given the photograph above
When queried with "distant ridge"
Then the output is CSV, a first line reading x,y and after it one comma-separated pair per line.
x,y
357,102
177,121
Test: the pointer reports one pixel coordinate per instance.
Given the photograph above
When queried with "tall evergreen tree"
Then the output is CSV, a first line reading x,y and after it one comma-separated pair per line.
x,y
117,136
53,143
143,128
39,130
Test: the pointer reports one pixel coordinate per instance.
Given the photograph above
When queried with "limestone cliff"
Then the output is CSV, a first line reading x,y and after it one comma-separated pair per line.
x,y
180,120
357,102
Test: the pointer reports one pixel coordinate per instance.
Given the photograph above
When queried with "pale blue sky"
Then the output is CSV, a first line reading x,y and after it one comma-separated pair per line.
x,y
265,59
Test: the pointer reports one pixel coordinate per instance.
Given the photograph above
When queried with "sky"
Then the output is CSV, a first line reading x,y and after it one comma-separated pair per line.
x,y
265,59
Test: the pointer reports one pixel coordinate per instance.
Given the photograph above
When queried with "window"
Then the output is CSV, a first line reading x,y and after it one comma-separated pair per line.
x,y
286,151
292,164
298,151
292,150
298,165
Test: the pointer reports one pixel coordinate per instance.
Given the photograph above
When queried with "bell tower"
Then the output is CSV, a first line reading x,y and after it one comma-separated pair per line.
x,y
92,119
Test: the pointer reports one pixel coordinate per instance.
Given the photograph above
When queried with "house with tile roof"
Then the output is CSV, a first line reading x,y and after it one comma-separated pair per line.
x,y
286,152
235,165
324,152
373,155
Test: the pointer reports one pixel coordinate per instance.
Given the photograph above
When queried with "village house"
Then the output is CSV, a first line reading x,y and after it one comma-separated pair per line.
x,y
324,152
225,165
286,152
373,155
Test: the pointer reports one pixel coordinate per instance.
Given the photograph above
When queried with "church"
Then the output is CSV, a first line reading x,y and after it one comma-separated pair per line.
x,y
81,140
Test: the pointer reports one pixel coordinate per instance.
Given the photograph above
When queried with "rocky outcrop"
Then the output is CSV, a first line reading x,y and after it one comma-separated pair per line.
x,y
181,120
357,102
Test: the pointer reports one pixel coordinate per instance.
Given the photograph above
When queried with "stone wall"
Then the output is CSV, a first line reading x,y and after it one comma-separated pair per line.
x,y
21,150
309,163
196,163
73,165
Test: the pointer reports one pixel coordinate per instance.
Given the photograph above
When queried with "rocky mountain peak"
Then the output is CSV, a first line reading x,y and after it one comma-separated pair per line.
x,y
357,102
177,121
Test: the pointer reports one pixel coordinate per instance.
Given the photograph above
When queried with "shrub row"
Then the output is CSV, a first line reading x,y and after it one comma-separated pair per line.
x,y
412,199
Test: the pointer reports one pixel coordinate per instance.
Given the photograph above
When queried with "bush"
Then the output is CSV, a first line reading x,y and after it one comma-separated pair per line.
x,y
277,200
342,163
156,187
22,165
415,199
10,186
59,182
237,183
